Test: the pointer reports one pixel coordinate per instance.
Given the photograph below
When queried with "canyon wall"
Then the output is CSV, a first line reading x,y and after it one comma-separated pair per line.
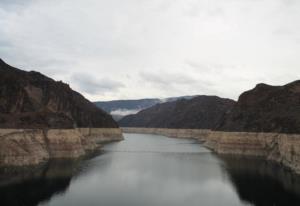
x,y
176,133
279,147
41,118
21,147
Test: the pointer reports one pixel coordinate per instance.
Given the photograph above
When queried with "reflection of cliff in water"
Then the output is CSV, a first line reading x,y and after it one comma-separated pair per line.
x,y
31,186
262,183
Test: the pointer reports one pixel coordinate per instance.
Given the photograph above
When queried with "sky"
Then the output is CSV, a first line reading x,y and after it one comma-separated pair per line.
x,y
131,49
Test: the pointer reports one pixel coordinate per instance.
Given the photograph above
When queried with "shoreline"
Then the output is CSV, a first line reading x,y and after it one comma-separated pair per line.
x,y
281,148
25,147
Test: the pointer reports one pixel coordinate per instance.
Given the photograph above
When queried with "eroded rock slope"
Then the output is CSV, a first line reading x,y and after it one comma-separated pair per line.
x,y
41,119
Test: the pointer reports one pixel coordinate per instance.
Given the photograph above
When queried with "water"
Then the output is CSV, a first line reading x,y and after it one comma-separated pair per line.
x,y
150,170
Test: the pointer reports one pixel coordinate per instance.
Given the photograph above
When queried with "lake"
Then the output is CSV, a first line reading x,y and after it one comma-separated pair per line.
x,y
151,170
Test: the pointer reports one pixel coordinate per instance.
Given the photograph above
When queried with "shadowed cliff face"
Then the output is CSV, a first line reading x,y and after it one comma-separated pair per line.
x,y
203,112
266,109
32,100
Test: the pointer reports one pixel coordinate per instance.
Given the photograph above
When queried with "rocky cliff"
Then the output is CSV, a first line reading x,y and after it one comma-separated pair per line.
x,y
20,147
41,119
32,100
266,109
202,112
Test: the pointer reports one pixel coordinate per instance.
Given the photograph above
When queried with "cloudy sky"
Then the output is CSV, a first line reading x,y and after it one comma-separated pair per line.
x,y
127,49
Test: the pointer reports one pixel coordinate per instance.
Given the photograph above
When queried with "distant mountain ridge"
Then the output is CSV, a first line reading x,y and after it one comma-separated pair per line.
x,y
138,104
265,108
121,108
201,112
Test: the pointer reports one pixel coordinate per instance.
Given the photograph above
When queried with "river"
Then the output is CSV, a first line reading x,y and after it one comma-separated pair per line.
x,y
151,170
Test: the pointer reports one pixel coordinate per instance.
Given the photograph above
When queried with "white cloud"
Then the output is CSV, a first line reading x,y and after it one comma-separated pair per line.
x,y
157,48
124,112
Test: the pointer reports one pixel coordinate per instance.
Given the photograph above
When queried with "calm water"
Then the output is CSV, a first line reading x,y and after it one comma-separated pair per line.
x,y
149,170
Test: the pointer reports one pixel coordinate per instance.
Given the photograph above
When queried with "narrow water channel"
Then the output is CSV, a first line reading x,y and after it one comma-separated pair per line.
x,y
151,170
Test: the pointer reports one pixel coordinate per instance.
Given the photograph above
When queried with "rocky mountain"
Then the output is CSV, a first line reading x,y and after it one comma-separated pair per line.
x,y
266,109
32,100
203,112
120,108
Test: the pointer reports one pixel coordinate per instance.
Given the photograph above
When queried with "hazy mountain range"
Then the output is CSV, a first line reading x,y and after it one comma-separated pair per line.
x,y
201,112
120,108
265,108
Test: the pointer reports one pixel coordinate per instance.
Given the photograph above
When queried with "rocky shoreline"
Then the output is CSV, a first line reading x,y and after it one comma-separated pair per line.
x,y
23,147
41,119
278,147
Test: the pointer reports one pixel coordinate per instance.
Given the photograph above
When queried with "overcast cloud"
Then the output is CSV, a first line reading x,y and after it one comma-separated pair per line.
x,y
127,49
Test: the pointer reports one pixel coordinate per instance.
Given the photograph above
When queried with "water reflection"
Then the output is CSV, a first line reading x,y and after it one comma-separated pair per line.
x,y
30,186
262,183
151,170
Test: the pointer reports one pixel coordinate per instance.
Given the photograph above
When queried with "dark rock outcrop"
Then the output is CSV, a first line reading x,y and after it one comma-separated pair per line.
x,y
202,112
266,109
32,100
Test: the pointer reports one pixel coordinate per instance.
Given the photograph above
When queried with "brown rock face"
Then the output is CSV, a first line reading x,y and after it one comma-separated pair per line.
x,y
32,100
20,147
266,109
202,112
